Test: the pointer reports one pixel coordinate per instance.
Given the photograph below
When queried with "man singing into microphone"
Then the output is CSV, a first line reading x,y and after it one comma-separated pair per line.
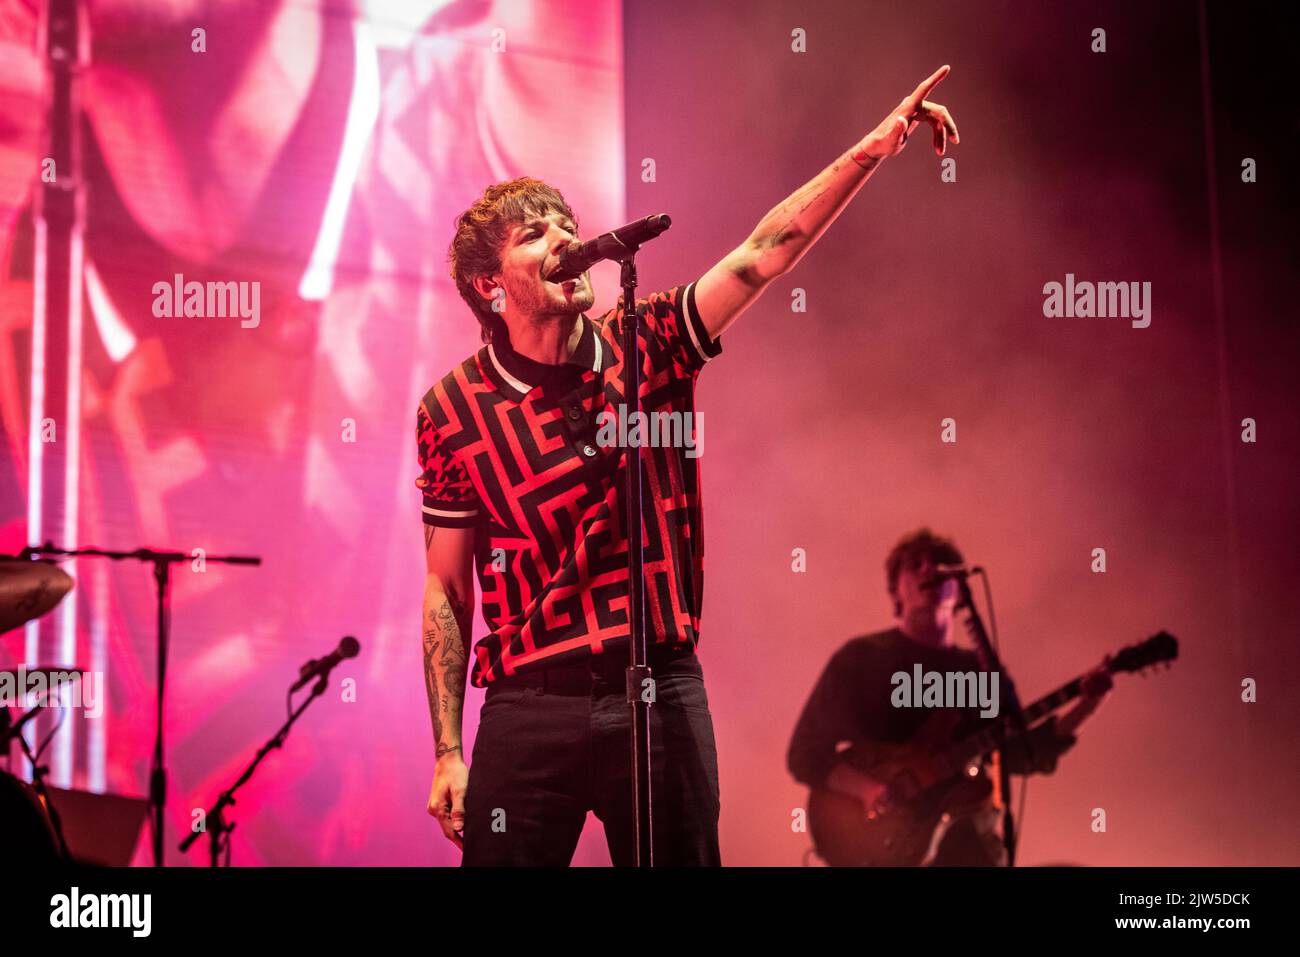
x,y
519,487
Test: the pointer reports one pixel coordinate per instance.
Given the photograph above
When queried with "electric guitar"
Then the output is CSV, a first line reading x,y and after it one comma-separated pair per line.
x,y
932,779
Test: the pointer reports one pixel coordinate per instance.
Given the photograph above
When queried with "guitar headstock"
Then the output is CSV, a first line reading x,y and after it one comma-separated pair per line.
x,y
1160,647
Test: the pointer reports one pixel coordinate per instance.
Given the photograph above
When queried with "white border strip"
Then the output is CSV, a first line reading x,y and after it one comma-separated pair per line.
x,y
690,322
515,383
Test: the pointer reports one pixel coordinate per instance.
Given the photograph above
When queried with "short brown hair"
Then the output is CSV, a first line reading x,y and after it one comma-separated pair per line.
x,y
914,547
481,232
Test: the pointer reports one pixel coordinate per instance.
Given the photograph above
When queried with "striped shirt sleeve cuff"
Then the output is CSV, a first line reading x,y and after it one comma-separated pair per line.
x,y
449,514
704,347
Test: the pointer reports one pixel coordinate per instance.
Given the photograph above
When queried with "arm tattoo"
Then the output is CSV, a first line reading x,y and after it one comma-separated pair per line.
x,y
444,674
431,682
865,159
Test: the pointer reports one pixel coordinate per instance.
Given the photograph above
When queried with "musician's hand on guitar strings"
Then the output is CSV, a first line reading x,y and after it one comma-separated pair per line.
x,y
1095,686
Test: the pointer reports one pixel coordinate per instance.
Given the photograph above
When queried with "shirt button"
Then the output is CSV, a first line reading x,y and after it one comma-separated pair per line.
x,y
588,451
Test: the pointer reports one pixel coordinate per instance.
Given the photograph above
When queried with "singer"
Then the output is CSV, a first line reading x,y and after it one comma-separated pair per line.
x,y
517,489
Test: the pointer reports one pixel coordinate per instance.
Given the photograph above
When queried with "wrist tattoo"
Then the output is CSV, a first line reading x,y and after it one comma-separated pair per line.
x,y
865,159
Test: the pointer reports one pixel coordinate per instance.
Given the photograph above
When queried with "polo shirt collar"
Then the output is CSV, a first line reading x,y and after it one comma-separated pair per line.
x,y
521,374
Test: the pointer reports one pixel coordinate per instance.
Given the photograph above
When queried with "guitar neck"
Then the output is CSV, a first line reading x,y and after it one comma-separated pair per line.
x,y
955,758
1160,648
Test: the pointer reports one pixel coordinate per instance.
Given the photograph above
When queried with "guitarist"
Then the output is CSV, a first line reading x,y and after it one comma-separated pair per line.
x,y
849,713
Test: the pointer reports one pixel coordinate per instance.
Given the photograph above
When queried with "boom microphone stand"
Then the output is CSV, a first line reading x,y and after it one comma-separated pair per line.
x,y
162,564
216,827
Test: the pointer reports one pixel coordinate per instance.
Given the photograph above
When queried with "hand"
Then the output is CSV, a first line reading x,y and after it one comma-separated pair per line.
x,y
1097,684
447,796
889,138
1048,745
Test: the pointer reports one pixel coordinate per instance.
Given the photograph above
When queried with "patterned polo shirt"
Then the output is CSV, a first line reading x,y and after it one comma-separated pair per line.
x,y
514,448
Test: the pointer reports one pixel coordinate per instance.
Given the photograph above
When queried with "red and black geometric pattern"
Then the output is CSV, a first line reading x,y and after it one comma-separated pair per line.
x,y
507,446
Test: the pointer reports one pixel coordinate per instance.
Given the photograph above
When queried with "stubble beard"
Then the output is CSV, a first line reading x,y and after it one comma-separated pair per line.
x,y
531,299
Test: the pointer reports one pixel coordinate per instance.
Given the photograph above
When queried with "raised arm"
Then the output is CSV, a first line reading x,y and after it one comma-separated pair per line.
x,y
448,614
787,232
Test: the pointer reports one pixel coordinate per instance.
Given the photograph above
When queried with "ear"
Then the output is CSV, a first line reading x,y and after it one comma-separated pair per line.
x,y
485,286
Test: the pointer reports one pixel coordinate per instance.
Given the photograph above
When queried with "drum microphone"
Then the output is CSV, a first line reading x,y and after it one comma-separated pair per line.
x,y
347,648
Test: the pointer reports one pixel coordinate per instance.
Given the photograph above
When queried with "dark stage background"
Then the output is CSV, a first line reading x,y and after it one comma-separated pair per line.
x,y
924,302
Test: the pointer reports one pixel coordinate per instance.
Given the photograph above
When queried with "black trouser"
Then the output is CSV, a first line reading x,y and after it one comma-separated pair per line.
x,y
554,745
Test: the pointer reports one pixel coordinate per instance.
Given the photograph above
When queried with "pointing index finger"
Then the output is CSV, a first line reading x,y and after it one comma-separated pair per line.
x,y
928,84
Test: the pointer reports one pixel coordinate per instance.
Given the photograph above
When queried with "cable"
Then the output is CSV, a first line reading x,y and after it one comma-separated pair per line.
x,y
46,743
993,618
1020,812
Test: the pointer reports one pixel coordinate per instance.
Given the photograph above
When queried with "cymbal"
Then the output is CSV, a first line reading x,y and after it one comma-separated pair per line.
x,y
28,590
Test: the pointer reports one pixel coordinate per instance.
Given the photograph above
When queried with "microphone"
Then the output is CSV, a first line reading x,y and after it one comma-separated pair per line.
x,y
577,258
956,571
943,573
347,648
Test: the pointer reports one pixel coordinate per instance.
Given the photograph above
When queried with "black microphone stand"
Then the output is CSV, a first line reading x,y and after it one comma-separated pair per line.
x,y
975,626
215,825
162,563
621,246
638,670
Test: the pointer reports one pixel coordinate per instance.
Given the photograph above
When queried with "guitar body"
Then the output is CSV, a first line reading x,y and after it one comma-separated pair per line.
x,y
907,831
906,836
933,780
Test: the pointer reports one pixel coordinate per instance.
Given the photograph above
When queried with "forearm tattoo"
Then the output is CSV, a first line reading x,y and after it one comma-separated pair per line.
x,y
445,663
866,161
